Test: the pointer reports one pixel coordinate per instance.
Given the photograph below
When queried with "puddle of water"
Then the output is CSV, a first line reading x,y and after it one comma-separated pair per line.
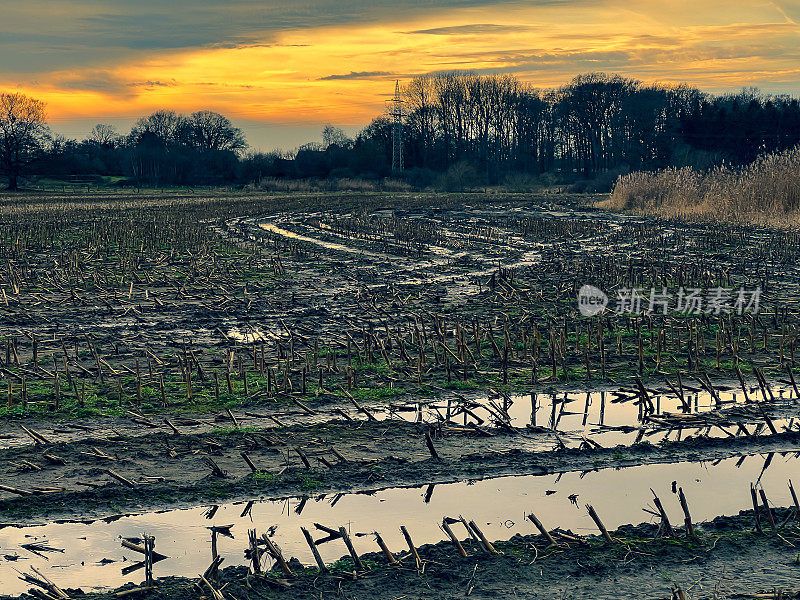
x,y
432,257
272,228
577,415
249,335
598,415
499,506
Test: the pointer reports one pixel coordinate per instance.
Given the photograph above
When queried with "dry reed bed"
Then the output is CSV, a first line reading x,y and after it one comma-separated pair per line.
x,y
766,192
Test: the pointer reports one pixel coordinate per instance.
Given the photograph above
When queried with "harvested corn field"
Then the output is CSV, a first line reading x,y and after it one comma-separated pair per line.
x,y
394,395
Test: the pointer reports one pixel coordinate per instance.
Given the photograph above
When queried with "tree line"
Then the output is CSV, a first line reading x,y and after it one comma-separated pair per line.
x,y
595,124
164,148
493,127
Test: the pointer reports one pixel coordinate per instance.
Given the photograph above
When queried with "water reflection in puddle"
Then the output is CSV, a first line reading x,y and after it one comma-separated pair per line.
x,y
599,416
498,506
577,415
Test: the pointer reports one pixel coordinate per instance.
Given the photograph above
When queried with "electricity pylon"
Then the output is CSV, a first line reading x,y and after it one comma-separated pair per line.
x,y
396,112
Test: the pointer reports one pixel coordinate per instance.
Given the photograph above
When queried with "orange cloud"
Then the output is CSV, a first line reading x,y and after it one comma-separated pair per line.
x,y
344,73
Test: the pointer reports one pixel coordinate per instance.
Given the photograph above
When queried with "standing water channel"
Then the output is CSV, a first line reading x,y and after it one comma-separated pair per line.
x,y
608,418
91,556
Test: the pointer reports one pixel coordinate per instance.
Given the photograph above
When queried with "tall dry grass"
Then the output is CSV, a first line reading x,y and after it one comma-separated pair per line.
x,y
766,191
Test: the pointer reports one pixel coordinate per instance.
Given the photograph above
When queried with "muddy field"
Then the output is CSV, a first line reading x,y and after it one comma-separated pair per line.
x,y
196,367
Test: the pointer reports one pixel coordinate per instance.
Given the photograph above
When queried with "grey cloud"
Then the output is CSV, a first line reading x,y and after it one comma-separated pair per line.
x,y
654,59
152,84
95,83
39,38
478,28
356,75
47,36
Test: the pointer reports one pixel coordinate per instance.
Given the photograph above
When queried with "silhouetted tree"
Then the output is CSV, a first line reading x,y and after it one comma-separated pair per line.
x,y
472,128
334,136
372,149
23,132
104,135
165,127
210,131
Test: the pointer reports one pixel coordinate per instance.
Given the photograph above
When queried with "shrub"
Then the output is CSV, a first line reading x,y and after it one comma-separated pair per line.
x,y
459,177
602,183
421,177
522,182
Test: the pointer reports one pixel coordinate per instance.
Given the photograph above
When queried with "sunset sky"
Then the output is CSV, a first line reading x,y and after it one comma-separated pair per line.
x,y
280,70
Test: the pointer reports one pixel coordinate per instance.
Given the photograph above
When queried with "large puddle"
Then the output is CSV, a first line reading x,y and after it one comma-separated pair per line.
x,y
93,558
608,418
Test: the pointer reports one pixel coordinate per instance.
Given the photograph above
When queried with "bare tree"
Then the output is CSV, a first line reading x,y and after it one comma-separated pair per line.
x,y
333,136
212,131
166,126
419,95
103,134
22,133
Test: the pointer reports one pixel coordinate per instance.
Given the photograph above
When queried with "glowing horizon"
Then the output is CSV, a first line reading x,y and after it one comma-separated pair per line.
x,y
318,65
